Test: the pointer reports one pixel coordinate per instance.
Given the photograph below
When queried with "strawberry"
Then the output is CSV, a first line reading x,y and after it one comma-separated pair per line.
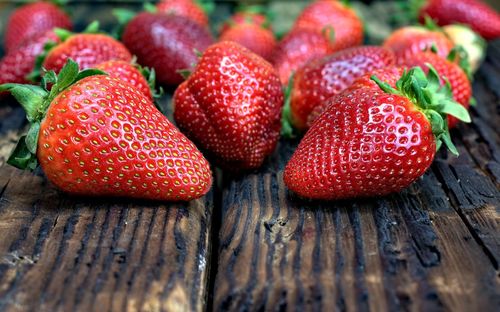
x,y
449,71
20,62
409,40
231,106
252,15
297,48
95,135
33,19
477,14
254,37
132,75
474,45
186,8
87,49
373,142
167,43
336,17
390,75
320,79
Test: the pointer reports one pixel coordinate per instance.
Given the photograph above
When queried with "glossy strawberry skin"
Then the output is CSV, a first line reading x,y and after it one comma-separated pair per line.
x,y
390,75
407,41
20,62
31,19
367,143
88,50
102,137
321,14
185,8
255,38
127,72
166,43
460,84
231,106
320,79
482,18
296,49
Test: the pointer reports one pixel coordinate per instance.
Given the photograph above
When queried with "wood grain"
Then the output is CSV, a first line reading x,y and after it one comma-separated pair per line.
x,y
434,246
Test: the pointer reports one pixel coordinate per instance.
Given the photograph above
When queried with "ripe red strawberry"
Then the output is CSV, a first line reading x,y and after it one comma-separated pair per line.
x,y
390,75
247,16
448,70
477,14
231,106
88,50
125,71
20,62
320,79
325,14
297,48
373,142
185,8
167,43
94,135
33,19
253,37
409,40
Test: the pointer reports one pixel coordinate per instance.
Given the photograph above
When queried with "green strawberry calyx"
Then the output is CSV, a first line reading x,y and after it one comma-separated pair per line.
x,y
36,100
63,35
287,130
432,99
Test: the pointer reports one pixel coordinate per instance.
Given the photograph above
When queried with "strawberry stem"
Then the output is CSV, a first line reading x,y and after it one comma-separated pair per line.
x,y
435,101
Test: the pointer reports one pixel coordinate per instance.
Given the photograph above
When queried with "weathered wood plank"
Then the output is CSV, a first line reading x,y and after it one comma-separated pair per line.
x,y
435,246
58,253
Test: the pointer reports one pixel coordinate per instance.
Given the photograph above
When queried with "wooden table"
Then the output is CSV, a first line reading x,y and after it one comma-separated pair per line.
x,y
250,245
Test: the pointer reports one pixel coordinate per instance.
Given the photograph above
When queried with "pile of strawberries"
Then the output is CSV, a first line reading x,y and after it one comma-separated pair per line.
x,y
372,117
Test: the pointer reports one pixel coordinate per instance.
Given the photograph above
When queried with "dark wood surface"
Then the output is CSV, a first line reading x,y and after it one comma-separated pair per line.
x,y
249,245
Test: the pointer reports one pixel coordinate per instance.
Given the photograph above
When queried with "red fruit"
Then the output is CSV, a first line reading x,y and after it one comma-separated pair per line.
x,y
320,79
256,38
185,8
246,17
390,75
297,48
20,62
409,40
129,73
325,14
32,19
166,43
460,84
102,137
372,142
88,50
231,106
477,14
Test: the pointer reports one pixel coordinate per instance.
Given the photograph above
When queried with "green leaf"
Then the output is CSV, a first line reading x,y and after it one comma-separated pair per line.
x,y
446,139
31,139
22,158
30,97
63,34
384,85
185,73
89,72
287,129
457,111
92,28
66,76
149,7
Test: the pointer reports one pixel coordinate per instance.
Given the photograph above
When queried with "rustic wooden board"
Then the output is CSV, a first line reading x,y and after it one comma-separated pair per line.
x,y
435,246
